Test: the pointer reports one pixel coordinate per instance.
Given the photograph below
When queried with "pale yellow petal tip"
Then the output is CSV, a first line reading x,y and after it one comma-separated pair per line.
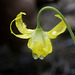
x,y
57,15
22,13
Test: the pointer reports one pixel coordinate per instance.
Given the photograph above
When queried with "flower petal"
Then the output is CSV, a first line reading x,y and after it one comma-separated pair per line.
x,y
26,33
40,44
21,25
57,30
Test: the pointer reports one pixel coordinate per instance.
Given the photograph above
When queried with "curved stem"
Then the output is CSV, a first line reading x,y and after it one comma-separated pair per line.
x,y
52,8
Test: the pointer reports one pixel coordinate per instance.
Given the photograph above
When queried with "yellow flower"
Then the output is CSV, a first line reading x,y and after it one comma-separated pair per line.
x,y
39,41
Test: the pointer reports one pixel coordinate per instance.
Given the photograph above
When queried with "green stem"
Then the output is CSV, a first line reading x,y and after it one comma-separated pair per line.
x,y
52,8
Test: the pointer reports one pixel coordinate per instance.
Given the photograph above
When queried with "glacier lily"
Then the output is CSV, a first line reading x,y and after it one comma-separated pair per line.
x,y
39,40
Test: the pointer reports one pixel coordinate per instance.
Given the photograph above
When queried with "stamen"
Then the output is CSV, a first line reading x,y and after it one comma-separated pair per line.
x,y
41,57
34,56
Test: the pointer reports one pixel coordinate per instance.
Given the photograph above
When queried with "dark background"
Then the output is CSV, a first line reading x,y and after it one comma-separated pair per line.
x,y
16,57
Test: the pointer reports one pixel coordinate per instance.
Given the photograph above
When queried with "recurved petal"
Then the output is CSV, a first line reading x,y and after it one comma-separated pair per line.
x,y
27,35
21,25
23,36
58,29
40,44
